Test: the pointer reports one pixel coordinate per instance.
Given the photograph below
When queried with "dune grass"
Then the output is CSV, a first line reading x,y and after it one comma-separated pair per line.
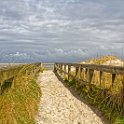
x,y
102,59
19,103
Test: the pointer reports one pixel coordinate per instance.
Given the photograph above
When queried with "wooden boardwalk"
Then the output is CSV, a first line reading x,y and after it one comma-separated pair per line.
x,y
59,106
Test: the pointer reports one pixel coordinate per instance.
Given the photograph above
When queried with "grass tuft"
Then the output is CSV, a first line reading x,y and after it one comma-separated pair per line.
x,y
19,104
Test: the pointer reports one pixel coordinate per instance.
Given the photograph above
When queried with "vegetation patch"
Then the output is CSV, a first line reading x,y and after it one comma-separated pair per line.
x,y
19,103
102,60
97,98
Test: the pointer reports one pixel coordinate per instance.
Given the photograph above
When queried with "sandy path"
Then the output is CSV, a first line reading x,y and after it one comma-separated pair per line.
x,y
59,106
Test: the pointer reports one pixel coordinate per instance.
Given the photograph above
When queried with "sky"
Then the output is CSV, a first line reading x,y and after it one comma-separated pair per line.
x,y
60,30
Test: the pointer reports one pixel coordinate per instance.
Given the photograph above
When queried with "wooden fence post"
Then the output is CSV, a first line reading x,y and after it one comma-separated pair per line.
x,y
86,73
81,72
76,71
55,70
69,69
113,78
60,68
65,71
90,75
101,74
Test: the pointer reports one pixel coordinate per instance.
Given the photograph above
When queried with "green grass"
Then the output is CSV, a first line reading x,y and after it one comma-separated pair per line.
x,y
119,120
19,103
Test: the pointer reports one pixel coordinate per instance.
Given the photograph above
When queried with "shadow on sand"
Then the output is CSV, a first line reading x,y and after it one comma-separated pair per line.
x,y
95,110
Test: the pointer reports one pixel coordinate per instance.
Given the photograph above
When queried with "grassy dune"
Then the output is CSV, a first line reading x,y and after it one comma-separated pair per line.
x,y
102,60
19,102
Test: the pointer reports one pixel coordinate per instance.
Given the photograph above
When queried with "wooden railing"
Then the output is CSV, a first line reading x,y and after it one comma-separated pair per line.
x,y
85,76
8,73
89,70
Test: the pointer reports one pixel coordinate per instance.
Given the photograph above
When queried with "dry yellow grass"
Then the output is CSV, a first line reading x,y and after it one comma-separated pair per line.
x,y
19,104
101,60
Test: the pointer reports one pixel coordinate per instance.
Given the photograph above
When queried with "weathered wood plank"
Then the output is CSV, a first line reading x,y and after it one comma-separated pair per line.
x,y
104,68
9,72
89,71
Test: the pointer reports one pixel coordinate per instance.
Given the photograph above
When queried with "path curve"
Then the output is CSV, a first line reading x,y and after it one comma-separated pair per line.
x,y
59,106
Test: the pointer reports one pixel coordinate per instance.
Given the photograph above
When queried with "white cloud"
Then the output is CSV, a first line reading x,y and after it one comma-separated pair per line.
x,y
70,28
18,54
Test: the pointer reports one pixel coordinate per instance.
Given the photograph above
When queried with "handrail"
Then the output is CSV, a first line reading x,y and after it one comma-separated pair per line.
x,y
10,71
8,67
103,68
88,70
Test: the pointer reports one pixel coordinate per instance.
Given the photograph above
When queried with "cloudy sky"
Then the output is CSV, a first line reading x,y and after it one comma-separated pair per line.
x,y
60,30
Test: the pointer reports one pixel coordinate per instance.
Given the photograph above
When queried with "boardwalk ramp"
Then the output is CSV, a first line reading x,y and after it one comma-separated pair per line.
x,y
59,106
